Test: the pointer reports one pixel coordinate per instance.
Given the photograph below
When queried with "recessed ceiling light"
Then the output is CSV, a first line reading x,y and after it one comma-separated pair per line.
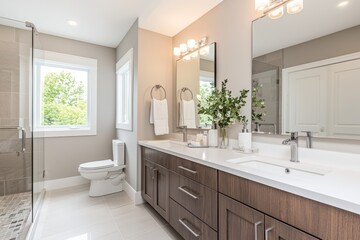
x,y
72,22
343,3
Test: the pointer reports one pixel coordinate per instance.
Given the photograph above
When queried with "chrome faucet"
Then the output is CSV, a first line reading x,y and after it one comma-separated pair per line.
x,y
293,142
308,139
184,132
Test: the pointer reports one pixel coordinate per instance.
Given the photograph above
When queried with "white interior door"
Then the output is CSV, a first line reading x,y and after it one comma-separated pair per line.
x,y
305,101
344,99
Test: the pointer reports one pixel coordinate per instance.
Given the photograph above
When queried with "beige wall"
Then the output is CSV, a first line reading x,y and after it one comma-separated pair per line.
x,y
229,25
64,154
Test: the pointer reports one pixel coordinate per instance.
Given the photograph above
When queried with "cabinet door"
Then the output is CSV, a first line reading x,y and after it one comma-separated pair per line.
x,y
148,182
161,191
237,221
304,98
275,230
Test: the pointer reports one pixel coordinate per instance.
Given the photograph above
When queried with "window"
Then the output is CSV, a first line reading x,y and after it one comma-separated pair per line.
x,y
124,76
64,94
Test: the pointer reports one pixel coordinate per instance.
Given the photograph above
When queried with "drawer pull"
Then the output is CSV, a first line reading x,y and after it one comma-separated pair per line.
x,y
189,228
188,170
256,228
267,233
188,193
154,173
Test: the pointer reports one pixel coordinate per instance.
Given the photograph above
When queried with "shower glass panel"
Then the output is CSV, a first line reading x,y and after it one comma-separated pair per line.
x,y
20,185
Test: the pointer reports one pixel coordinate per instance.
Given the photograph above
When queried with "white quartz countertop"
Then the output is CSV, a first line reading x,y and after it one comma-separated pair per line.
x,y
328,177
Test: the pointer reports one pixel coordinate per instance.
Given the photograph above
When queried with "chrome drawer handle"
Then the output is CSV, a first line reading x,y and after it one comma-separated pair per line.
x,y
267,233
256,228
189,228
188,170
154,173
188,193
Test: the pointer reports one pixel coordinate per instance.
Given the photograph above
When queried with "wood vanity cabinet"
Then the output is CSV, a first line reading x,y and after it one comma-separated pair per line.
x,y
155,183
238,221
201,202
290,216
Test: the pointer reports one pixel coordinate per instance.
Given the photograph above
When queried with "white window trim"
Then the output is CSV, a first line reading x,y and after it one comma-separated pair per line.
x,y
127,58
71,61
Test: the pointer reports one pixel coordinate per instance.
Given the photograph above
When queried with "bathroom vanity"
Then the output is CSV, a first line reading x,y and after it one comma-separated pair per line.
x,y
205,194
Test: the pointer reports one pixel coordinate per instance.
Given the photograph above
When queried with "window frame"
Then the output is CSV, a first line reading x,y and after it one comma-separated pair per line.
x,y
49,58
126,60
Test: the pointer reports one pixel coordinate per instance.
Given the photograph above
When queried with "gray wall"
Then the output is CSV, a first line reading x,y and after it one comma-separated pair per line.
x,y
130,137
229,25
152,65
64,154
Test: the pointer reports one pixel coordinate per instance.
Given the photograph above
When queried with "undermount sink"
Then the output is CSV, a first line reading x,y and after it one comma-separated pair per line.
x,y
280,167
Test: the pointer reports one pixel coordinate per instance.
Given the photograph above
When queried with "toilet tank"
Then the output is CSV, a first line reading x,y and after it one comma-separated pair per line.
x,y
118,147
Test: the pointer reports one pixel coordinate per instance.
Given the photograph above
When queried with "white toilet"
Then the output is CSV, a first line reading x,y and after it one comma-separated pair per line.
x,y
106,175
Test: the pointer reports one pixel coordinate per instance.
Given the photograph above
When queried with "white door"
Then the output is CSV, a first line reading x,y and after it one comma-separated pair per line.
x,y
304,101
344,99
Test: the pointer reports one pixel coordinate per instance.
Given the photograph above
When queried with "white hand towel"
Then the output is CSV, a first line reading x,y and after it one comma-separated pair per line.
x,y
187,114
159,116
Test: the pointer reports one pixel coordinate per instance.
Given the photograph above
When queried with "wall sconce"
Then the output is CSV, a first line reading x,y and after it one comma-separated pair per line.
x,y
190,46
275,8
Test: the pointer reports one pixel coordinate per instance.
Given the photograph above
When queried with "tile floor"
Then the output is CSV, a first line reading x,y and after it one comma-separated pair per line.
x,y
14,212
70,214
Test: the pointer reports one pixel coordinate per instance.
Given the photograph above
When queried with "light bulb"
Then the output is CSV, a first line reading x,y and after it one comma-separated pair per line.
x,y
183,47
261,5
295,6
276,13
191,43
177,51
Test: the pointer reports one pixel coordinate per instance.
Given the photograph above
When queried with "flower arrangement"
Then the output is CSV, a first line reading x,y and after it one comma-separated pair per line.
x,y
222,107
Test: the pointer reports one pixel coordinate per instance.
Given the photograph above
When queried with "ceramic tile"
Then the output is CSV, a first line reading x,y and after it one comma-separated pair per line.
x,y
70,214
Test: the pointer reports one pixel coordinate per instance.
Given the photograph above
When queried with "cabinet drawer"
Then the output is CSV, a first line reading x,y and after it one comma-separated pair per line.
x,y
155,156
198,199
197,172
189,226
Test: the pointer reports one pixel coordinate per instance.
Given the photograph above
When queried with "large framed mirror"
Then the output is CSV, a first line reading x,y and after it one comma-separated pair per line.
x,y
195,75
306,71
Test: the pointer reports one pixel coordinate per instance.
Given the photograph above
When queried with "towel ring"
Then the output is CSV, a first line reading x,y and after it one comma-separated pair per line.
x,y
184,89
158,86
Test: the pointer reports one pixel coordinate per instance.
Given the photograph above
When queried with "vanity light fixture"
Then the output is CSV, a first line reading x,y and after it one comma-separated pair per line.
x,y
190,46
275,8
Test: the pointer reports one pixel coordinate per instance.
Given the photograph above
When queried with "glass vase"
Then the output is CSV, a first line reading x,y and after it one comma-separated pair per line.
x,y
223,138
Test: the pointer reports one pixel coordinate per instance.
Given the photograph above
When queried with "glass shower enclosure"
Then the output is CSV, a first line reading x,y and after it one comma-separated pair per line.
x,y
21,152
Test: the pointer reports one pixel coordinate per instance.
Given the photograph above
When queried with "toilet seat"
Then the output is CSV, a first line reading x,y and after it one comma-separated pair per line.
x,y
100,166
97,165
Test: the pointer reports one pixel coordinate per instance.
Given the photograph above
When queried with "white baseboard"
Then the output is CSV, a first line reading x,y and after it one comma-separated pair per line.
x,y
134,195
65,182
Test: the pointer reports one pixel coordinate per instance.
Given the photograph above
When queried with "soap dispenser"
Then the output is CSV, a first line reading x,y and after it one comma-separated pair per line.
x,y
244,139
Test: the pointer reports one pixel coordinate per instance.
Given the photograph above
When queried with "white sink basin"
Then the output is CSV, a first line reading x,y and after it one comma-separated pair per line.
x,y
280,167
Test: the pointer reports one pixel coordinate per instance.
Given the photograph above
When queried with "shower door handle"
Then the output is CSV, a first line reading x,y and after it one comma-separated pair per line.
x,y
23,135
23,139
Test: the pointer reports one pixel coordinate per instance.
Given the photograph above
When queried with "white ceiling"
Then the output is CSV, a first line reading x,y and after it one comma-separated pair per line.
x,y
318,18
105,22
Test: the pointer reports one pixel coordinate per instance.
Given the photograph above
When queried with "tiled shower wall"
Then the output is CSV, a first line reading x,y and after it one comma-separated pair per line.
x,y
15,166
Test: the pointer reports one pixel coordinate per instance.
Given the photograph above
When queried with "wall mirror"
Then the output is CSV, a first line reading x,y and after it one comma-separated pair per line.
x,y
306,71
195,75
